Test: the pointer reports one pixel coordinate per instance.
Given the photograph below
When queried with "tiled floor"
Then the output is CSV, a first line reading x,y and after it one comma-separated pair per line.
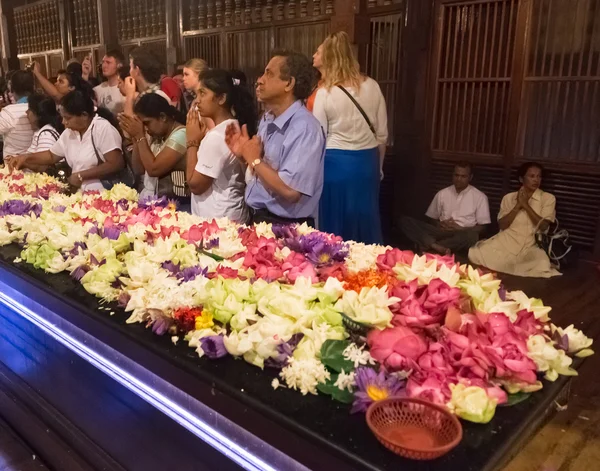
x,y
16,455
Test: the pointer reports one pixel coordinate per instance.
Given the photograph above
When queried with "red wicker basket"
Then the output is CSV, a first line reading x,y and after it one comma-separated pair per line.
x,y
414,428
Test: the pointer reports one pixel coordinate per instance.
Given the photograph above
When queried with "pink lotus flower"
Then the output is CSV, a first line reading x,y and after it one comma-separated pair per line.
x,y
432,386
336,270
436,359
447,260
200,232
397,348
508,353
261,258
297,266
423,306
388,260
225,272
526,323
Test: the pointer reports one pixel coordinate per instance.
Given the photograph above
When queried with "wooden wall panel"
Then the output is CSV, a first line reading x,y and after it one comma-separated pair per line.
x,y
250,52
560,106
207,47
474,65
302,38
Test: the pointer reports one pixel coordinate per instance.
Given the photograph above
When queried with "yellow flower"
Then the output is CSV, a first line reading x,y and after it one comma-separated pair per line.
x,y
205,321
376,394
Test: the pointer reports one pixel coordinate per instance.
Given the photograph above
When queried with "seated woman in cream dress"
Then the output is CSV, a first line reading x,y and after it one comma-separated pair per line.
x,y
522,213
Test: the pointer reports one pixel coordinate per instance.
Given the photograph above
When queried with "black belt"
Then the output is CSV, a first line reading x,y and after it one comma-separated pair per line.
x,y
264,215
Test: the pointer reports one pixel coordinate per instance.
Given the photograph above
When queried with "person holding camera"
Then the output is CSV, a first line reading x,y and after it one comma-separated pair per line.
x,y
108,94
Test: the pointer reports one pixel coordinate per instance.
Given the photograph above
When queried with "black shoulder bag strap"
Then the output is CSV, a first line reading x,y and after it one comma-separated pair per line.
x,y
359,108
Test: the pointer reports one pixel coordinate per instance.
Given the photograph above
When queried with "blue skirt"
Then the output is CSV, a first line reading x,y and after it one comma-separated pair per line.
x,y
349,204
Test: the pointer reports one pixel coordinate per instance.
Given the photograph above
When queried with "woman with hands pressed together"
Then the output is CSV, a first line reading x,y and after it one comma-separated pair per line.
x,y
162,158
522,214
215,176
90,145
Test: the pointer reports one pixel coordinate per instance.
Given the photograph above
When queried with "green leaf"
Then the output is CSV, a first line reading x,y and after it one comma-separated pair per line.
x,y
515,399
336,393
218,258
332,356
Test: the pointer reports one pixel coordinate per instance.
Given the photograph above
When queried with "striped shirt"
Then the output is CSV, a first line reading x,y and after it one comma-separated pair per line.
x,y
16,129
43,139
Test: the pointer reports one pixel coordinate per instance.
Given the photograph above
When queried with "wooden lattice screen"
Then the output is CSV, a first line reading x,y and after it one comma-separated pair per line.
x,y
519,80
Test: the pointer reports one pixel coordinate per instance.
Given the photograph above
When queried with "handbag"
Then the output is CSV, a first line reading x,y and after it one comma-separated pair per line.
x,y
360,109
555,242
125,175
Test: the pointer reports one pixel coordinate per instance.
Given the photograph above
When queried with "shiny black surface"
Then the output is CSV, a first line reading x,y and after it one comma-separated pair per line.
x,y
313,429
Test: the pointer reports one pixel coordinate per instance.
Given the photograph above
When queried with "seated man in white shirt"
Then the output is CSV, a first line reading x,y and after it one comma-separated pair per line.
x,y
457,215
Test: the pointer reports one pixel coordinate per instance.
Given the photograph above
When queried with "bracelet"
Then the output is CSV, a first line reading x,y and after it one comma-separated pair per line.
x,y
137,141
193,143
80,177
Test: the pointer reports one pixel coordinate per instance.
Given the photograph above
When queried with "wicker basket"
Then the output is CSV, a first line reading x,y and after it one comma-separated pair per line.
x,y
414,428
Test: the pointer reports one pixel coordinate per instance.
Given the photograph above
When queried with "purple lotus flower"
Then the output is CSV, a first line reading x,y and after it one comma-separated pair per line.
x,y
213,346
80,271
20,208
284,351
123,204
59,209
562,341
160,322
212,243
372,386
190,273
318,248
123,299
93,230
284,231
149,202
502,293
172,267
94,260
111,232
75,250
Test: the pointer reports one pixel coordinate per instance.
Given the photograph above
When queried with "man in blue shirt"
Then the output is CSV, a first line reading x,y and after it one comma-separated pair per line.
x,y
286,157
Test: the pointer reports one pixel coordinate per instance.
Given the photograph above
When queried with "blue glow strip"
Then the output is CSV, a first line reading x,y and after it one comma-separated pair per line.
x,y
187,420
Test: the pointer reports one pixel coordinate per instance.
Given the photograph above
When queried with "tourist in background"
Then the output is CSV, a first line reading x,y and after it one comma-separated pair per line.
x,y
108,94
191,75
145,71
214,174
90,144
161,158
456,216
352,111
15,128
46,120
286,157
522,215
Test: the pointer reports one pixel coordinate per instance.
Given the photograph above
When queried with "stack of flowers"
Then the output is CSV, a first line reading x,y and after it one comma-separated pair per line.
x,y
356,322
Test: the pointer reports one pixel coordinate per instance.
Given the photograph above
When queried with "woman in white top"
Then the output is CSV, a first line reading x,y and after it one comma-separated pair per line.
x,y
214,174
45,119
349,204
157,131
90,144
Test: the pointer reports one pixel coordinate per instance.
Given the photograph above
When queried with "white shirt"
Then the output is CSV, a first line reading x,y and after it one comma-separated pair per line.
x,y
79,151
225,197
43,139
16,129
468,208
110,98
344,125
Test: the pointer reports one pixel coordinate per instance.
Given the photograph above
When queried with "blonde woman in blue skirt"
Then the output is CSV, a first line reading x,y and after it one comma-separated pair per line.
x,y
351,109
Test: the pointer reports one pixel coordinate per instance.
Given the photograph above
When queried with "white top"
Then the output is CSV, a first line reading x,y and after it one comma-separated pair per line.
x,y
43,139
468,208
79,151
16,129
344,125
110,98
225,197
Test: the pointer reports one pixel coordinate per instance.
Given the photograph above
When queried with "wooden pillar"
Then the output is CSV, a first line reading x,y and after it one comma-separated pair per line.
x,y
171,17
350,16
8,36
107,27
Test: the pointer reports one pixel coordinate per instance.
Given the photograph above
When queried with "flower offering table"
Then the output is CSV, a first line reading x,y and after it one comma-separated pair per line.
x,y
88,391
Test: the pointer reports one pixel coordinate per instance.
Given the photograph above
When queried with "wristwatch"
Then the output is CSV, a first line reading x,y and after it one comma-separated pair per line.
x,y
255,162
